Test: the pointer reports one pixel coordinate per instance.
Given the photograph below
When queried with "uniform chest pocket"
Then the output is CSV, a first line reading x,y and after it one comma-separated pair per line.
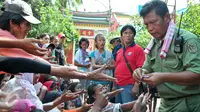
x,y
171,62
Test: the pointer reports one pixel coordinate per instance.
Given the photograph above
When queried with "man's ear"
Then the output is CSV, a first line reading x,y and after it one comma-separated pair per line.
x,y
13,25
167,18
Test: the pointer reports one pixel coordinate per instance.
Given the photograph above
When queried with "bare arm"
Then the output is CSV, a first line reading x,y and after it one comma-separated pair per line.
x,y
25,44
8,43
68,72
112,65
49,106
183,78
42,93
63,98
180,78
127,106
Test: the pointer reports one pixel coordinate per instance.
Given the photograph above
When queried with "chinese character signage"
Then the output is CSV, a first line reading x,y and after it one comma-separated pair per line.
x,y
85,32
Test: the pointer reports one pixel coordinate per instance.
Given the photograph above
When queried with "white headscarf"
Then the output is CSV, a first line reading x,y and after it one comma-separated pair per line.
x,y
24,81
26,77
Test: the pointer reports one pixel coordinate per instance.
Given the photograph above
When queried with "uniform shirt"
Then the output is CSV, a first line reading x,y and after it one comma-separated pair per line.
x,y
135,55
189,60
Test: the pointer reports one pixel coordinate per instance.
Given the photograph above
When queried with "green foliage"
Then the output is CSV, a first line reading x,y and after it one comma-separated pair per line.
x,y
142,37
190,20
109,37
54,21
70,3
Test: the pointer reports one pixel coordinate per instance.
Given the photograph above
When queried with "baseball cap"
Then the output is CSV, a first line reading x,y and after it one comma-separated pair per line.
x,y
22,8
113,39
61,35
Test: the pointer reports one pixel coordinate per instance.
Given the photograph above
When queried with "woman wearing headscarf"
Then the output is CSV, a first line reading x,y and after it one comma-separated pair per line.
x,y
26,81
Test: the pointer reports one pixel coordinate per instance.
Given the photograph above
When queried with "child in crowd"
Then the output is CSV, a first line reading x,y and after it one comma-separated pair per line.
x,y
50,55
82,59
75,87
44,39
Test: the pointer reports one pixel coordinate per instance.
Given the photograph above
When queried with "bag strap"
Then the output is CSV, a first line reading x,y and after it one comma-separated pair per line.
x,y
126,60
130,69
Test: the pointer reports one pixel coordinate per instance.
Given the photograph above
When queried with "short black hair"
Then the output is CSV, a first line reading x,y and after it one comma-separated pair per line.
x,y
128,27
42,35
52,38
83,40
159,6
72,86
6,17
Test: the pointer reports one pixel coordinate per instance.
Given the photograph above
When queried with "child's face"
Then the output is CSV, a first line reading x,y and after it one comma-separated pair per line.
x,y
61,107
78,87
56,42
84,45
100,42
70,105
46,39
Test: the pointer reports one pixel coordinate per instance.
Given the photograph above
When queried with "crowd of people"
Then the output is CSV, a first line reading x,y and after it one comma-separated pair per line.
x,y
35,77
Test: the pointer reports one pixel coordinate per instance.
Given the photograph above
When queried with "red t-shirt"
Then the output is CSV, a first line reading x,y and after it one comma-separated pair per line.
x,y
135,55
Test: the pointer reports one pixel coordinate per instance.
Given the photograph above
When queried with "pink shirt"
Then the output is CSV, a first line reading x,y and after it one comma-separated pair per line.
x,y
13,52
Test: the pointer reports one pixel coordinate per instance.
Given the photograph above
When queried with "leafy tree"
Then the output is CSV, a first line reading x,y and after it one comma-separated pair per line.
x,y
142,37
63,3
54,22
190,20
70,3
109,37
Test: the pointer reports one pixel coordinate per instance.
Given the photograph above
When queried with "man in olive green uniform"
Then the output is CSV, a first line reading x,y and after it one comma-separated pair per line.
x,y
177,77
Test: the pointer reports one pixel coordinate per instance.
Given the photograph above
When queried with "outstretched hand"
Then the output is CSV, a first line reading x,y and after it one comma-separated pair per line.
x,y
141,102
68,96
114,93
86,107
99,75
29,46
